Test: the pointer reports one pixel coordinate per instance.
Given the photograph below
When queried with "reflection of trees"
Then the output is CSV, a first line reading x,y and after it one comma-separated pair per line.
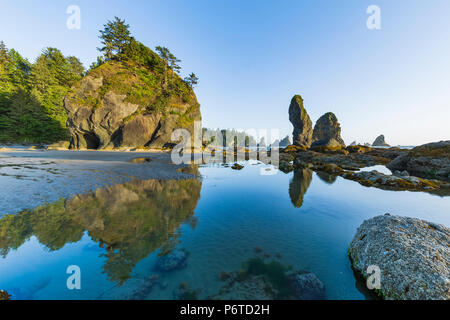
x,y
129,220
326,177
298,186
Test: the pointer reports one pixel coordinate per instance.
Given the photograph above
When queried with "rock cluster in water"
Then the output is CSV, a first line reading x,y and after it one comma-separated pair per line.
x,y
413,256
431,160
327,131
259,280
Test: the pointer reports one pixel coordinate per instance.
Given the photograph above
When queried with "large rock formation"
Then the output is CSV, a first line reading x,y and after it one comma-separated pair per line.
x,y
431,160
302,134
124,104
413,257
380,142
327,128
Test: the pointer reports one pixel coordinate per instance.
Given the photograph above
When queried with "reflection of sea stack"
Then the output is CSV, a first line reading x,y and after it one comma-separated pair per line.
x,y
302,134
299,185
129,220
326,177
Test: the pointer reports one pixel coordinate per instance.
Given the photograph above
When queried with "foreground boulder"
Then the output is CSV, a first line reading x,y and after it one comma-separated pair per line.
x,y
430,160
124,104
327,128
303,131
380,142
413,256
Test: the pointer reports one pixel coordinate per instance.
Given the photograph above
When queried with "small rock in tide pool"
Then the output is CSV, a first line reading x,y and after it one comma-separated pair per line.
x,y
306,286
175,260
4,295
237,166
140,160
183,292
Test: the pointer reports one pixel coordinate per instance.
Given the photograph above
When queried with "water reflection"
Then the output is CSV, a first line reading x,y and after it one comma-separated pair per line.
x,y
128,220
299,185
326,177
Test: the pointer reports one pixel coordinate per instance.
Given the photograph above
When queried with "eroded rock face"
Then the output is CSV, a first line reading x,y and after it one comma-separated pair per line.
x,y
380,142
302,134
116,105
413,256
327,128
431,160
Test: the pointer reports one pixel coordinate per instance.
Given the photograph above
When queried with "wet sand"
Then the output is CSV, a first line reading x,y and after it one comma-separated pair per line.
x,y
29,178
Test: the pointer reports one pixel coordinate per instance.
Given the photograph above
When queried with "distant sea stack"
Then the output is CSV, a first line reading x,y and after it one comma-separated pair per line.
x,y
380,142
130,104
303,131
327,131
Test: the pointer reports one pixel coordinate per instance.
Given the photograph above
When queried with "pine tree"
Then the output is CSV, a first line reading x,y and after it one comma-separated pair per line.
x,y
4,56
169,60
115,37
191,80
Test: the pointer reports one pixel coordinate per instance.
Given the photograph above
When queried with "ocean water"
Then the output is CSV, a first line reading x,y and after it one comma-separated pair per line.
x,y
117,234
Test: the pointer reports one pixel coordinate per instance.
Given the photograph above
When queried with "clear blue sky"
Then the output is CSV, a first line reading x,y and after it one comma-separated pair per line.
x,y
253,56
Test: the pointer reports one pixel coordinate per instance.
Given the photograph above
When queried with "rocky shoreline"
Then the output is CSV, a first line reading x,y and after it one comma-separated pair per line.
x,y
413,257
347,162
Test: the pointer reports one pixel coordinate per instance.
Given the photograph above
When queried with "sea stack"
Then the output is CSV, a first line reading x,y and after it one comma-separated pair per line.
x,y
302,134
122,104
380,142
327,131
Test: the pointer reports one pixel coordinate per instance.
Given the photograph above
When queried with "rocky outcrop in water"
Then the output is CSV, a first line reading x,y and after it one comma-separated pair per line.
x,y
413,256
303,131
122,104
380,142
327,132
431,160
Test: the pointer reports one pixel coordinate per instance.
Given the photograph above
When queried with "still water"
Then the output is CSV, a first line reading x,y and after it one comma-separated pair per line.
x,y
120,235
